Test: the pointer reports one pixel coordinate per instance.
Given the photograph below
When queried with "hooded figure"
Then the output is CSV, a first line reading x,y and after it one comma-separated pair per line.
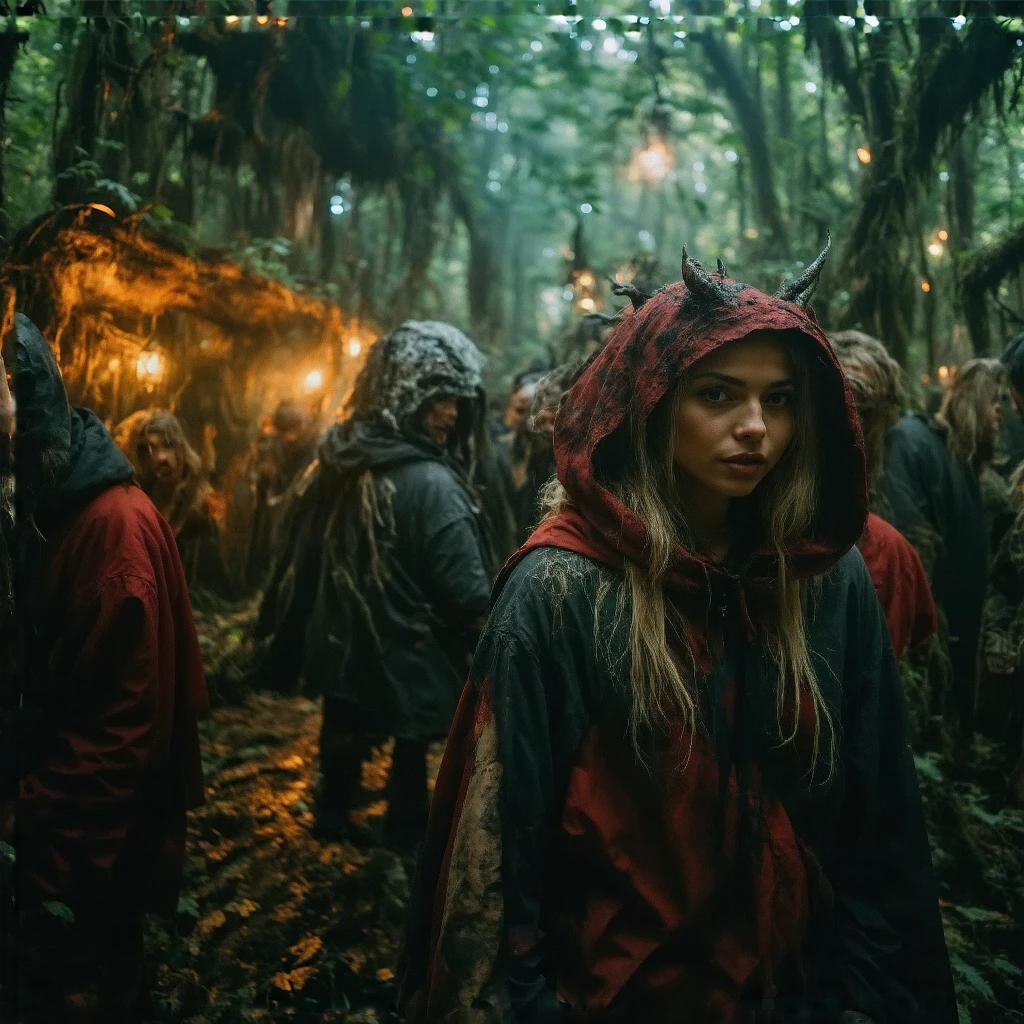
x,y
679,786
388,576
110,687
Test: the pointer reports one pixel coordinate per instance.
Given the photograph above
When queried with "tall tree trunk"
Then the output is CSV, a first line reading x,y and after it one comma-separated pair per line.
x,y
9,43
725,72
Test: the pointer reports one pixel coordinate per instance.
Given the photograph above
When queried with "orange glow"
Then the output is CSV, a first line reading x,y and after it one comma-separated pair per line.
x,y
314,380
864,154
751,233
935,249
232,19
585,279
281,22
355,346
407,12
926,378
943,235
150,365
943,374
262,19
588,304
650,164
103,209
925,285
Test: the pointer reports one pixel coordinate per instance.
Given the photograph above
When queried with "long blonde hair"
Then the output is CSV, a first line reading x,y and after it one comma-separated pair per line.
x,y
965,408
784,507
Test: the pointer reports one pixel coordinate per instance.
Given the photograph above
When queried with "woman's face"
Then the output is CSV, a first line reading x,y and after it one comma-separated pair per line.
x,y
735,416
159,459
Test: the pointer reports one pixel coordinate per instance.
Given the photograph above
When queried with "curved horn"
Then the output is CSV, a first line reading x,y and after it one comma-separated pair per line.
x,y
698,281
721,269
801,290
635,296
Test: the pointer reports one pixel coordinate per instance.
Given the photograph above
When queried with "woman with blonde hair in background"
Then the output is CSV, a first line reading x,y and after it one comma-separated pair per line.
x,y
900,580
679,785
932,483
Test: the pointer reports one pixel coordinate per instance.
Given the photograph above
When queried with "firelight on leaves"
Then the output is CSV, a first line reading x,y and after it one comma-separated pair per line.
x,y
314,380
355,346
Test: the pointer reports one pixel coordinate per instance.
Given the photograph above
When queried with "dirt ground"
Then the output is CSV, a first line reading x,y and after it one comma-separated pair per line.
x,y
276,926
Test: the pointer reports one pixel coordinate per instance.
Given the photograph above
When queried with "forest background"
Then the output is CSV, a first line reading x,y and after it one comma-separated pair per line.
x,y
494,163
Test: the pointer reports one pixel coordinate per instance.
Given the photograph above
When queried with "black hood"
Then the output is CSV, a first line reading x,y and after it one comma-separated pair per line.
x,y
356,446
63,455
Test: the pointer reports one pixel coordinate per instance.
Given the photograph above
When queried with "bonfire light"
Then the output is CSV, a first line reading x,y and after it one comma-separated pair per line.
x,y
355,346
313,381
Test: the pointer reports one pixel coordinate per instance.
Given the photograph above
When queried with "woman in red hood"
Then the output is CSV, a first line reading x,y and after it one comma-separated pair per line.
x,y
679,787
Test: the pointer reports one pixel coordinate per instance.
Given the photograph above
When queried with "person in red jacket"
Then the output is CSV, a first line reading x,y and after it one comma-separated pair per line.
x,y
900,580
108,689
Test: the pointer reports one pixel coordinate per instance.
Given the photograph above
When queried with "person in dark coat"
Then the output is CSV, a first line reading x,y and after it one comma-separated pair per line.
x,y
386,587
283,455
931,481
109,689
679,785
171,473
876,380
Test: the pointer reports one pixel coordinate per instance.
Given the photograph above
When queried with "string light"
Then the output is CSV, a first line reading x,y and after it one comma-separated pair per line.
x,y
864,154
355,346
925,285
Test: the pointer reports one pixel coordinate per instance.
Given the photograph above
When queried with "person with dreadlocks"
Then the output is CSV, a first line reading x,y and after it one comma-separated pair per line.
x,y
679,785
170,471
932,483
876,380
389,577
102,759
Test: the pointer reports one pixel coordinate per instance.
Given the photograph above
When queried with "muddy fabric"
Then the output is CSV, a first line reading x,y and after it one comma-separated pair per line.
x,y
418,362
556,866
901,584
930,492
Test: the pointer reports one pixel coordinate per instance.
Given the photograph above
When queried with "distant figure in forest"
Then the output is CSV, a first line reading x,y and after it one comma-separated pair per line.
x,y
932,483
381,596
171,473
1003,633
283,455
679,786
876,380
102,694
538,431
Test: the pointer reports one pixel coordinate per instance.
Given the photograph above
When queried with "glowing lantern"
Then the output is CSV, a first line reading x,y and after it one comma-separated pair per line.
x,y
943,234
232,19
355,346
943,374
262,19
925,285
652,163
149,367
588,304
407,12
935,249
314,381
864,154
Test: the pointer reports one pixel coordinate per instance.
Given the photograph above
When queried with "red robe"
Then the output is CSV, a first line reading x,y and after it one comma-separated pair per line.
x,y
901,584
120,760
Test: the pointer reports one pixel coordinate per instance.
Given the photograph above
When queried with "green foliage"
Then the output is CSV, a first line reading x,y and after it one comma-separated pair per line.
x,y
59,910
